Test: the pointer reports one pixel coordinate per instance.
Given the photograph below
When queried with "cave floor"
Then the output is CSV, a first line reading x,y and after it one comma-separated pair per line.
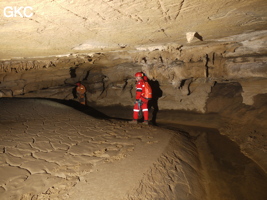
x,y
52,151
46,153
230,174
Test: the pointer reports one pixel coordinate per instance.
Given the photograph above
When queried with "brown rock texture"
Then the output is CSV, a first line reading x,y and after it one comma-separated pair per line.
x,y
64,27
206,62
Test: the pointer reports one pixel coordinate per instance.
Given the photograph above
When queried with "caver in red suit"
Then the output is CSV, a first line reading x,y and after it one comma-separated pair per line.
x,y
80,91
140,101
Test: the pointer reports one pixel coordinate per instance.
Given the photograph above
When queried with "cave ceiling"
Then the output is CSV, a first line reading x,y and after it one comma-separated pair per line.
x,y
60,27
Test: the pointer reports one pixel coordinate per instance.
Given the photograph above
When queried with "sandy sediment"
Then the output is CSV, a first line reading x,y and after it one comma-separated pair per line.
x,y
52,151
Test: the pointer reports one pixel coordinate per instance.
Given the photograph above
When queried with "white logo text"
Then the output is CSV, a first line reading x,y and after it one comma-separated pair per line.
x,y
15,11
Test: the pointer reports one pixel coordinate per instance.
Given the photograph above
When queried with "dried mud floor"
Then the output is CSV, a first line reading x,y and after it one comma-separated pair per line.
x,y
53,151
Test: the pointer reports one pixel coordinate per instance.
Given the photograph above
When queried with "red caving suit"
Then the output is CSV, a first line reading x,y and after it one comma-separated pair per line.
x,y
139,96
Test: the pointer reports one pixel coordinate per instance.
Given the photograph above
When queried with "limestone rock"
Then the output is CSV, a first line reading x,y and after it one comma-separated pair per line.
x,y
87,26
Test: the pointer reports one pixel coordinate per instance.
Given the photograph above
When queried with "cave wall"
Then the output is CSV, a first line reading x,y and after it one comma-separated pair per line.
x,y
227,78
183,75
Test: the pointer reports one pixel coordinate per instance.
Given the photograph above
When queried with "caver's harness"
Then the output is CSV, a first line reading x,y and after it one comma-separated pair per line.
x,y
139,107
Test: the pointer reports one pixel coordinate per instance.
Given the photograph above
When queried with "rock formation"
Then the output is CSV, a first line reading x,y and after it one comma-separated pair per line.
x,y
203,57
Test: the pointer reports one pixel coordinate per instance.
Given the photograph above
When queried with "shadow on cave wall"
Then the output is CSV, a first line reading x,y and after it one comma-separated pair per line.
x,y
153,103
226,100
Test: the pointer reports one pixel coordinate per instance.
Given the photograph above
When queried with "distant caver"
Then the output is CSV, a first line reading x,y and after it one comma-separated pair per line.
x,y
80,92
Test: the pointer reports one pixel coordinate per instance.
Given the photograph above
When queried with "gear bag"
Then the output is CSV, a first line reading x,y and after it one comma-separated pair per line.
x,y
147,91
